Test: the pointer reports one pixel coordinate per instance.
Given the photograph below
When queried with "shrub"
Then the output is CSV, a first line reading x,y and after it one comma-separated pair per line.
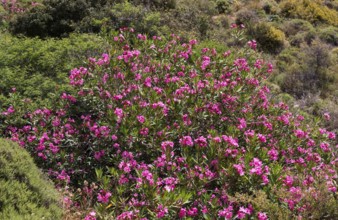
x,y
313,11
246,17
37,68
310,71
165,132
24,192
294,26
270,7
157,4
54,18
191,20
329,35
303,38
270,39
224,6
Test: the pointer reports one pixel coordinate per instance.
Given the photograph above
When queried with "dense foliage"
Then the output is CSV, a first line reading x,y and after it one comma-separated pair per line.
x,y
278,27
38,69
163,132
24,193
165,127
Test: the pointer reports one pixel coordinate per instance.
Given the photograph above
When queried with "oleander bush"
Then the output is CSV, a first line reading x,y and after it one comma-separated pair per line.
x,y
25,193
157,129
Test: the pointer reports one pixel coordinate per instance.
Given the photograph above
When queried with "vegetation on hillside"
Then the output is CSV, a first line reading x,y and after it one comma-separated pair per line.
x,y
169,113
25,193
292,33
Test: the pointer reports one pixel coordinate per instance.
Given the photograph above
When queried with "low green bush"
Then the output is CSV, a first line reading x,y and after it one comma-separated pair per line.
x,y
270,39
24,193
329,35
294,26
37,68
224,6
307,70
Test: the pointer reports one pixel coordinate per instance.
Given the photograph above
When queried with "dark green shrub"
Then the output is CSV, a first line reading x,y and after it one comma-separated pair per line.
x,y
32,23
157,4
310,36
223,6
270,39
329,35
267,8
24,193
126,14
56,18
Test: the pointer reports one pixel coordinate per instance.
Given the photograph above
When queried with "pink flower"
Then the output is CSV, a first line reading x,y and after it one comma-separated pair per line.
x,y
193,42
126,216
141,118
265,179
166,144
182,213
148,176
201,141
186,120
144,131
104,60
186,141
118,112
239,168
311,143
64,176
67,202
230,140
91,216
257,166
161,211
331,135
114,137
242,124
262,216
261,138
103,196
205,62
192,212
327,116
242,212
300,133
233,25
325,147
226,212
273,153
252,44
99,154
